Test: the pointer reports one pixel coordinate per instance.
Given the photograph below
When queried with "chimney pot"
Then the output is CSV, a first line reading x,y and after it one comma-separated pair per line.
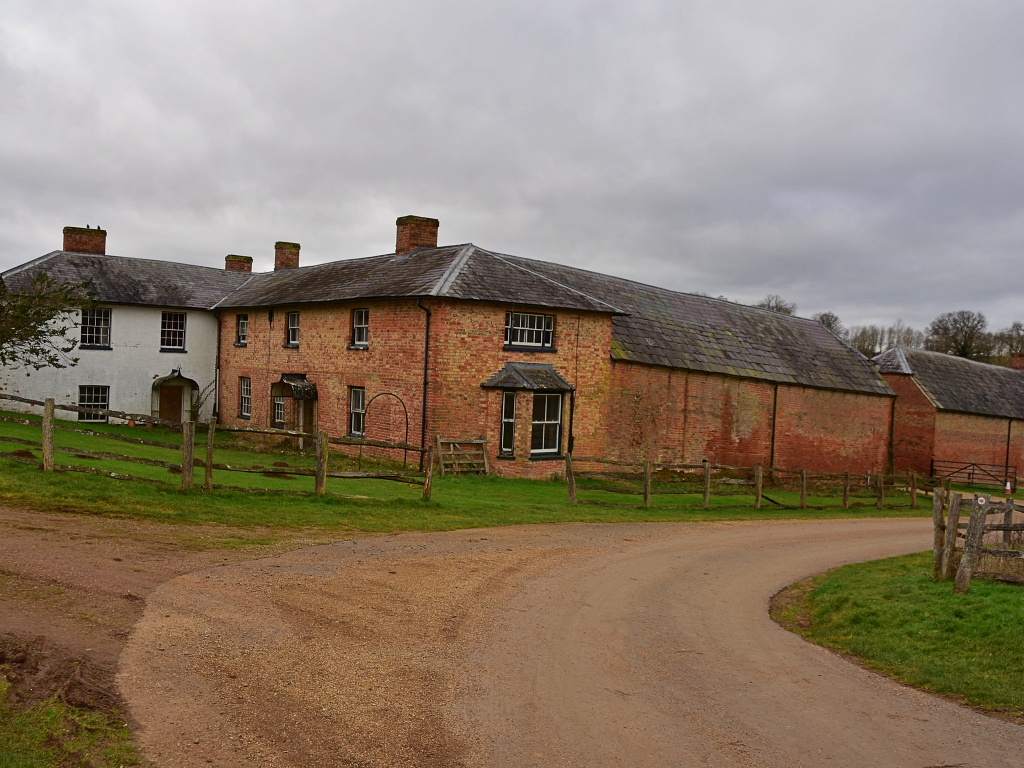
x,y
85,240
415,232
234,263
286,255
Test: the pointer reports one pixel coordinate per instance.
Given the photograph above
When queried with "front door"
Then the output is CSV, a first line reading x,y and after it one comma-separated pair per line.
x,y
170,403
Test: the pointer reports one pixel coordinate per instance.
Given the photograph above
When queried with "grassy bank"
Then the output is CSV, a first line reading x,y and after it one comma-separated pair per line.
x,y
891,615
364,504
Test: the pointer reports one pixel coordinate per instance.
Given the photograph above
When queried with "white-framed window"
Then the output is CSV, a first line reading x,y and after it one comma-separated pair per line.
x,y
293,329
95,328
547,422
357,411
278,409
172,330
244,396
93,396
523,329
242,329
360,327
508,422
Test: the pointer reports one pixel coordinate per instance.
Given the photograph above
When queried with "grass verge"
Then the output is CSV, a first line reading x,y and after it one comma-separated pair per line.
x,y
891,616
52,733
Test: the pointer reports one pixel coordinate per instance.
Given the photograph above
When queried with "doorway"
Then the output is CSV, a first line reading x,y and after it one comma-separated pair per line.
x,y
170,402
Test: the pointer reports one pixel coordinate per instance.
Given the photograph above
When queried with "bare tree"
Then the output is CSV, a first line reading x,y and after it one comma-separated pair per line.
x,y
963,334
831,321
1010,340
899,334
776,303
872,340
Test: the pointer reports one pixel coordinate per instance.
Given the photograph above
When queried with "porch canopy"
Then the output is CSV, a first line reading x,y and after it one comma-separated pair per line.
x,y
296,384
530,376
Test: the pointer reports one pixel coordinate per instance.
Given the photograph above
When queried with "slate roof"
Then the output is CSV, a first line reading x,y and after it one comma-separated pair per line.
x,y
958,384
456,271
532,376
698,333
144,282
650,325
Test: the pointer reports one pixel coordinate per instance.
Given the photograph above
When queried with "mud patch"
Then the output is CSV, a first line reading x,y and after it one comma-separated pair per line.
x,y
38,670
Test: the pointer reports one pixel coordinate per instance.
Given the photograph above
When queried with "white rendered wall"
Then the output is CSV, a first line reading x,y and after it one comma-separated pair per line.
x,y
129,368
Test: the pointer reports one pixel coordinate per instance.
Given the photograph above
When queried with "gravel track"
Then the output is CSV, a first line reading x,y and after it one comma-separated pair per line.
x,y
589,645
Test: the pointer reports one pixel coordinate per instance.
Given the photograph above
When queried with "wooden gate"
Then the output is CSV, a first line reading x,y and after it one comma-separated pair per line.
x,y
461,457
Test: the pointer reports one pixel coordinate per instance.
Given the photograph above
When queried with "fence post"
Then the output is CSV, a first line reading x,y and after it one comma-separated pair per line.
x,y
322,449
975,532
846,490
952,521
913,490
938,536
881,490
428,480
757,486
211,433
570,479
707,484
1008,520
48,435
188,453
803,489
647,484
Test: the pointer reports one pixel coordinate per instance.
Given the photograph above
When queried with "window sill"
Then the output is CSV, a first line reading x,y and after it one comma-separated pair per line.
x,y
243,416
359,347
516,348
174,350
354,436
547,457
289,346
241,344
95,346
506,457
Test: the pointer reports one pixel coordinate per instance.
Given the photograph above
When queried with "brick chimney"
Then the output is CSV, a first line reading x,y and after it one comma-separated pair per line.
x,y
1017,362
234,263
415,232
286,256
85,240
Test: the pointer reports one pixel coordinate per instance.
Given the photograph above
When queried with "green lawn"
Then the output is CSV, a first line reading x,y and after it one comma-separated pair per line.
x,y
893,616
364,504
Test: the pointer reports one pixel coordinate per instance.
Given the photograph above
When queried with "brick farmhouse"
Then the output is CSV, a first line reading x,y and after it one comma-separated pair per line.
x,y
463,342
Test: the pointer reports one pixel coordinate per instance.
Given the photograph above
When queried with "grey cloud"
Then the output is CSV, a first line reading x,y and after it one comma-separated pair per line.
x,y
864,158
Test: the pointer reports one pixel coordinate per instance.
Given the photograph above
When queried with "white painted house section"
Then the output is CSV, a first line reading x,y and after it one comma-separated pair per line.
x,y
133,368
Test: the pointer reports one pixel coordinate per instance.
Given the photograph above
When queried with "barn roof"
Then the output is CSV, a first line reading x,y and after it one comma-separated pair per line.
x,y
957,384
120,280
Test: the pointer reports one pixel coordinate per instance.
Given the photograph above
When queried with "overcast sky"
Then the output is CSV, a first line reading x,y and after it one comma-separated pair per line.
x,y
860,157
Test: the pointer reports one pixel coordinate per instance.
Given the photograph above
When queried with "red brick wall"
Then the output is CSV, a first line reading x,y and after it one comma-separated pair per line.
x,y
826,431
978,439
465,350
679,417
914,425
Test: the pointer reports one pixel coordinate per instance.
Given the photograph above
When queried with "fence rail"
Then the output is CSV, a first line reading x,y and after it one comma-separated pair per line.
x,y
188,462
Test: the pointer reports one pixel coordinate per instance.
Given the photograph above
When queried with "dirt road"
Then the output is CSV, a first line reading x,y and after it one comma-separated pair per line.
x,y
590,645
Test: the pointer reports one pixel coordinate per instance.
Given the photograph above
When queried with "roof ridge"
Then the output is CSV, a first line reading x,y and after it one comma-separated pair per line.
x,y
505,260
454,270
948,356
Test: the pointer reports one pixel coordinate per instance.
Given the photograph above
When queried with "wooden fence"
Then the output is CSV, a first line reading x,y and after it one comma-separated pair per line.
x,y
643,472
977,548
187,448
